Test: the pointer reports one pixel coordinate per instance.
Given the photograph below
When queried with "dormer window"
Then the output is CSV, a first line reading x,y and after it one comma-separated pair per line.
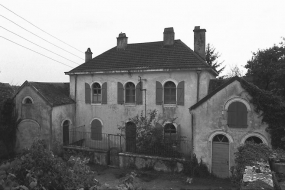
x,y
27,100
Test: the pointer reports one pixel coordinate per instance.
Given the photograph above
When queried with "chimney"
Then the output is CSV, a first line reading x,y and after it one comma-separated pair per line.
x,y
200,41
88,55
168,36
122,41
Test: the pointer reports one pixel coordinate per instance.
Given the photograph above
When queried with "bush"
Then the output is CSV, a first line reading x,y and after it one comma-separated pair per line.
x,y
247,155
38,167
193,168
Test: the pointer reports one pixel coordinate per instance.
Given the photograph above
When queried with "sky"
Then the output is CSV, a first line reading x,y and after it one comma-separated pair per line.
x,y
234,28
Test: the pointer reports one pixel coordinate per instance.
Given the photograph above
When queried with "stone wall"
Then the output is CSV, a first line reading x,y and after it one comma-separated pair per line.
x,y
128,160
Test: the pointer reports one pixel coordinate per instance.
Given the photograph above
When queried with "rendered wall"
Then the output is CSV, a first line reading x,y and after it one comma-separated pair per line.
x,y
210,119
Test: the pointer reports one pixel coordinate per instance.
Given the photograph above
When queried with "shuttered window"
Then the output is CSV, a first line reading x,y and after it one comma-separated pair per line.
x,y
96,130
104,93
237,115
158,93
120,95
87,93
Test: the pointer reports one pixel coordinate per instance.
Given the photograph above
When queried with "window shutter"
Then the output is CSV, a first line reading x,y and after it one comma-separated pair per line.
x,y
87,93
139,93
241,115
180,93
120,93
232,115
104,93
158,93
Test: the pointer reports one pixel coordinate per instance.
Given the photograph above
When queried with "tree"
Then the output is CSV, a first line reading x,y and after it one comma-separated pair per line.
x,y
234,71
267,69
212,58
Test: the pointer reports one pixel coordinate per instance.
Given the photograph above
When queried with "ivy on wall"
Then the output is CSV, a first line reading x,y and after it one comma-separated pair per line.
x,y
272,109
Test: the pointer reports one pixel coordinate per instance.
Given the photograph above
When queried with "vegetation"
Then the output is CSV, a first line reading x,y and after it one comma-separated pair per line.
x,y
212,58
247,155
272,109
149,136
8,128
38,168
267,69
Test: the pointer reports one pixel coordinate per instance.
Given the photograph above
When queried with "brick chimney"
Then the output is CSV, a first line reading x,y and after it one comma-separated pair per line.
x,y
88,55
200,41
122,41
168,36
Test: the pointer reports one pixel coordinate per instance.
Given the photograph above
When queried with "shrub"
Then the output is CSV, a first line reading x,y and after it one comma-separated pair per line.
x,y
193,168
38,167
247,155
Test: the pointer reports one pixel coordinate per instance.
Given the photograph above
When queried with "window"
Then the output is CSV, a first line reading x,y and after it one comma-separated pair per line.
x,y
169,93
237,115
96,130
27,100
170,131
65,127
254,140
220,138
130,92
96,93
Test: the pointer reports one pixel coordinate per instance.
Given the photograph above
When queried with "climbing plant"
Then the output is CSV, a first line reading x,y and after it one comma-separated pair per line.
x,y
272,109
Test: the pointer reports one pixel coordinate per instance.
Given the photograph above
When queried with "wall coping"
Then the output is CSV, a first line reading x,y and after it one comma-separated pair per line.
x,y
151,157
85,149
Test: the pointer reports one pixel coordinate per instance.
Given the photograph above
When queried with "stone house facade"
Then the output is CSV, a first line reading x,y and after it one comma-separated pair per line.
x,y
45,110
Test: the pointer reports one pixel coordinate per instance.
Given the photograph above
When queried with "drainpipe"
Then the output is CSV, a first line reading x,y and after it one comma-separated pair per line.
x,y
192,128
75,97
198,84
50,129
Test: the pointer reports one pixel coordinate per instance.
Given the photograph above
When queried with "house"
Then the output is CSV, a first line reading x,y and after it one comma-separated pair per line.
x,y
46,111
231,121
130,78
215,116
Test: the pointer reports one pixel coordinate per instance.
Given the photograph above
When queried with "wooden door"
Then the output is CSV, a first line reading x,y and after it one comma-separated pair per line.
x,y
65,133
220,156
131,137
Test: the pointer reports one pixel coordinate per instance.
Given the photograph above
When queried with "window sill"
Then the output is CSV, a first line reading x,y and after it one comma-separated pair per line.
x,y
96,104
130,104
169,105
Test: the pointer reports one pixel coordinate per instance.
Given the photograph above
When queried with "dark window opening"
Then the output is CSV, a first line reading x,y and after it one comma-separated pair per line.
x,y
169,93
170,131
130,93
220,138
254,139
237,115
28,101
96,130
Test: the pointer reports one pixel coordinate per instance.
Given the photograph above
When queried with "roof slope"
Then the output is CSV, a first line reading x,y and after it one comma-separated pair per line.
x,y
219,86
55,94
144,56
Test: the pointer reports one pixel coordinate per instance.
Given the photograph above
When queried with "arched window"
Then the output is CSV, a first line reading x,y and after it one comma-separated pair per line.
x,y
96,93
96,130
254,140
130,93
170,131
27,100
65,130
237,115
169,93
220,138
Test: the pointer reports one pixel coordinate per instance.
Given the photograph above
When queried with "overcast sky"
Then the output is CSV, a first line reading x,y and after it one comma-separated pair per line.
x,y
234,28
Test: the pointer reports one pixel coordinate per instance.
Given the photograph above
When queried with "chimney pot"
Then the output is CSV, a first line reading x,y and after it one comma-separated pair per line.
x,y
88,55
200,41
168,36
122,41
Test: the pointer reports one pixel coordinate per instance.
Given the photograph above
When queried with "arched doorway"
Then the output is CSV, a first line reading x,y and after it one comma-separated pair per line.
x,y
28,131
65,133
254,139
220,156
131,129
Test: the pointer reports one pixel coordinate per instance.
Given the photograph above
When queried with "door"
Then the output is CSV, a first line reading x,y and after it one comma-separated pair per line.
x,y
220,156
65,133
131,137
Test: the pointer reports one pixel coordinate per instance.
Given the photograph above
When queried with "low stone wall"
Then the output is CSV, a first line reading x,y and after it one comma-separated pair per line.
x,y
96,156
129,160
